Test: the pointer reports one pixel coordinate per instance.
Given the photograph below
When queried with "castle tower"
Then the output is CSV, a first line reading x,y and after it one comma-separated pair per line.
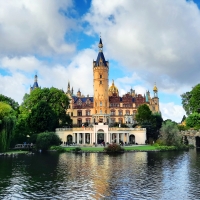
x,y
35,85
155,100
100,82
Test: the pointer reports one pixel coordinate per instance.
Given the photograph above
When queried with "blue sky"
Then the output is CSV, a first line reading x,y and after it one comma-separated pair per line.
x,y
146,42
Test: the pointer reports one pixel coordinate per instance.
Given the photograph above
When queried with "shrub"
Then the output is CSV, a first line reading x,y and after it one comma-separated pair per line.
x,y
47,139
113,148
170,134
58,149
76,150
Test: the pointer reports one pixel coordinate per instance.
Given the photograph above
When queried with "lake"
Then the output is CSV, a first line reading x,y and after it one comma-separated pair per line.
x,y
134,175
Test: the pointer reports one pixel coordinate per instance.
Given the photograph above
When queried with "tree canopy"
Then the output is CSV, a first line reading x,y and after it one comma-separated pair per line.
x,y
191,100
143,114
9,101
42,118
7,124
54,97
193,121
170,134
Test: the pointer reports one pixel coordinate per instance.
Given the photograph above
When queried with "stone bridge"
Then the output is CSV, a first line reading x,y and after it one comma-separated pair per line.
x,y
193,137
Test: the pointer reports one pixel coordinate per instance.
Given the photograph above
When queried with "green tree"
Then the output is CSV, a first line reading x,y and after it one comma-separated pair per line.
x,y
7,125
170,134
143,114
156,124
55,98
46,140
11,102
193,120
191,100
42,118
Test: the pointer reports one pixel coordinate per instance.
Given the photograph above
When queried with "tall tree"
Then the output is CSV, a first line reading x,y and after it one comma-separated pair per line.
x,y
54,97
7,124
143,114
191,100
9,101
42,118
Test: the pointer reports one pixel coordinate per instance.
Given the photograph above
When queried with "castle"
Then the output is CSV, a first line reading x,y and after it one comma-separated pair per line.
x,y
94,117
106,106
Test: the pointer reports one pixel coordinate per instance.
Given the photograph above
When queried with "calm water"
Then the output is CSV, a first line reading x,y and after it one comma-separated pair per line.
x,y
139,175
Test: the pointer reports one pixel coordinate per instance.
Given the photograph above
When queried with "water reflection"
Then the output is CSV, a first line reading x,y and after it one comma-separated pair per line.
x,y
139,175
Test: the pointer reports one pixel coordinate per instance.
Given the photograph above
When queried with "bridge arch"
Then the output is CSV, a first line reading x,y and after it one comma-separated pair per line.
x,y
197,141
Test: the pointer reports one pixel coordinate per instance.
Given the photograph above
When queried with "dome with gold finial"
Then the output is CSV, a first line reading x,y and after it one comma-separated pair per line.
x,y
155,89
113,90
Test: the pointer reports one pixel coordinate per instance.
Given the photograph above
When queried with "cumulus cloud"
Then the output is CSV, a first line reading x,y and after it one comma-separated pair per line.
x,y
157,39
79,73
37,27
172,111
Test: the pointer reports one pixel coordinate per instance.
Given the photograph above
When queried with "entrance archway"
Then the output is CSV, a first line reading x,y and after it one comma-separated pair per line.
x,y
69,139
132,139
100,136
197,142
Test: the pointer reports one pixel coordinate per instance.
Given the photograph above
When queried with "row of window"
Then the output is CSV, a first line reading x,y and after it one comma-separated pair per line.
x,y
113,120
113,112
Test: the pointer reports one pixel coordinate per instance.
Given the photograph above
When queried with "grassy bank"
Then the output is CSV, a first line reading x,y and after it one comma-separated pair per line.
x,y
126,148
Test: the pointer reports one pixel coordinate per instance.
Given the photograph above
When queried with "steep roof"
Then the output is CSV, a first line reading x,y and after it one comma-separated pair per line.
x,y
101,58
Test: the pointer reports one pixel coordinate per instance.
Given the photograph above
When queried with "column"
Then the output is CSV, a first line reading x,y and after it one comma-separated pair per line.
x,y
73,137
90,138
127,138
83,139
77,138
117,138
122,137
96,138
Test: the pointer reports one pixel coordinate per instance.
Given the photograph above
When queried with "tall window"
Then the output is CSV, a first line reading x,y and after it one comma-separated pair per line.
x,y
79,113
100,76
87,112
100,103
88,120
120,112
112,112
100,82
127,112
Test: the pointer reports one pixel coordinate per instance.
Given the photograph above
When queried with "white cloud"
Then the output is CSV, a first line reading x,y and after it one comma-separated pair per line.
x,y
159,40
172,111
13,86
78,72
38,27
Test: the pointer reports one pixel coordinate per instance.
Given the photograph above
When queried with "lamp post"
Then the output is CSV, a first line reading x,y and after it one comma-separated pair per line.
x,y
28,136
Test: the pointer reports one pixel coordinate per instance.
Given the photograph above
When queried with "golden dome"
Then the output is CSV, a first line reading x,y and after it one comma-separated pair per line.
x,y
155,89
113,89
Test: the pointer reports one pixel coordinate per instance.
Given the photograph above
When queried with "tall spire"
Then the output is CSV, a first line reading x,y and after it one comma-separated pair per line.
x,y
100,45
35,79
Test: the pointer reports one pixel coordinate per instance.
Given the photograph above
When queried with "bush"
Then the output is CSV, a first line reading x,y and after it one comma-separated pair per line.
x,y
76,150
47,139
170,134
58,149
113,148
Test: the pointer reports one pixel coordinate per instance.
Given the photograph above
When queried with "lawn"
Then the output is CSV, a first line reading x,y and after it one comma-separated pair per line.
x,y
17,152
127,148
